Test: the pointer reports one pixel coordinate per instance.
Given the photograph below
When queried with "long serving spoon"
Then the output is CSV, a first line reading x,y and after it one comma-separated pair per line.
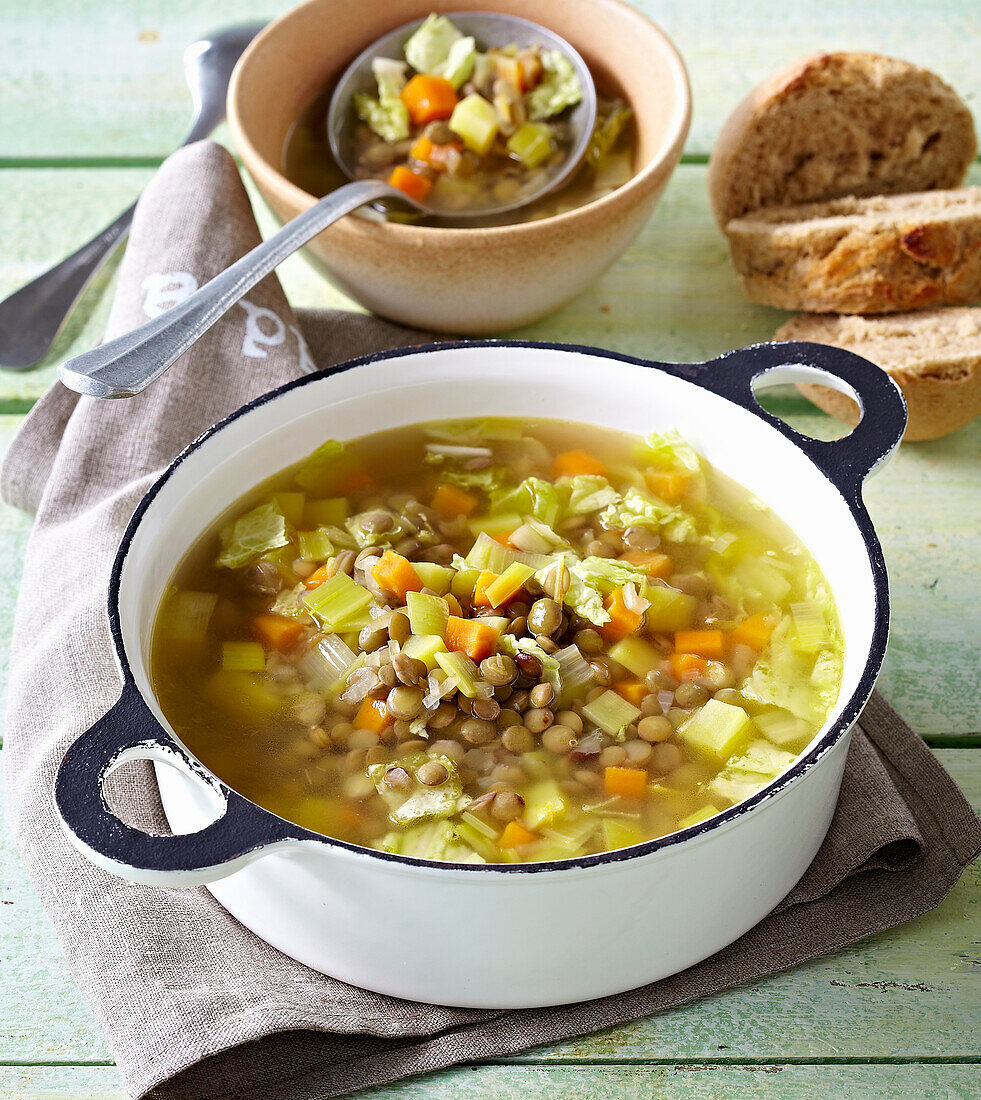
x,y
125,366
32,317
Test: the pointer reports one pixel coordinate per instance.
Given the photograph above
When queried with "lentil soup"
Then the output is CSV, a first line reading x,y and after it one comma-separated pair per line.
x,y
498,640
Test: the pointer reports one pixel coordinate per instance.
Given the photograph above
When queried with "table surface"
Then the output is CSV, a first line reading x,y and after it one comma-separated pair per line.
x,y
92,98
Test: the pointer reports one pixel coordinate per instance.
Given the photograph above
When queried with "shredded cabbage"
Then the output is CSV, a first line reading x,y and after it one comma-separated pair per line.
x,y
533,498
423,803
252,535
431,43
559,87
388,118
783,676
669,451
587,493
458,66
636,509
315,469
390,76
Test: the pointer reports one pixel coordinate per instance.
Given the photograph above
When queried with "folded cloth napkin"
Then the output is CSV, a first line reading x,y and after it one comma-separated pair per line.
x,y
193,1004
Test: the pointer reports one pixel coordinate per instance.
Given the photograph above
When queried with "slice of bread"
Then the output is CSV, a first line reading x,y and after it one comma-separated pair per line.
x,y
836,124
876,255
934,355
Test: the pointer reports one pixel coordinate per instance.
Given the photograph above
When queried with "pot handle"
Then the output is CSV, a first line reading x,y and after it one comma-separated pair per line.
x,y
129,731
847,461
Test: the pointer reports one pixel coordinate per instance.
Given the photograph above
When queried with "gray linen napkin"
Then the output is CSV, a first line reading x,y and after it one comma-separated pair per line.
x,y
194,1005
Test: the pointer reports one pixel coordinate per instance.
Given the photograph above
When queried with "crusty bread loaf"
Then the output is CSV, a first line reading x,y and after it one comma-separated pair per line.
x,y
876,255
836,124
934,355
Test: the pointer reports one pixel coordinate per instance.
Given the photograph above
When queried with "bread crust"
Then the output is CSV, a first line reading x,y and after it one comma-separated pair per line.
x,y
933,355
835,124
880,255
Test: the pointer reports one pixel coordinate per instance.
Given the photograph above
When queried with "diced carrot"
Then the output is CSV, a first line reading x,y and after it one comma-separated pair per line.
x,y
480,597
422,149
278,631
625,782
623,621
503,537
469,636
515,834
451,501
428,98
396,575
631,690
705,643
316,578
353,481
686,666
668,486
373,716
573,463
754,631
653,562
415,186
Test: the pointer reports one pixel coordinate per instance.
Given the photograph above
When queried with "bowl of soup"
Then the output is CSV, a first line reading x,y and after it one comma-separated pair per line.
x,y
416,673
463,277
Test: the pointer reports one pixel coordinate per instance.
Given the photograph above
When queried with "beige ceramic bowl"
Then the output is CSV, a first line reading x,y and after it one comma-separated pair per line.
x,y
471,280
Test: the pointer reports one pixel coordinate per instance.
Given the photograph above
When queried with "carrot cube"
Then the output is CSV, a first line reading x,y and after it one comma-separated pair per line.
x,y
623,621
631,690
515,834
429,98
451,501
687,666
415,186
625,782
704,643
373,716
484,581
668,486
654,563
754,631
475,639
573,463
395,574
277,631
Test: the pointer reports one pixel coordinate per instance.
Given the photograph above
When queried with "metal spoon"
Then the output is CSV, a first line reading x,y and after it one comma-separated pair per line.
x,y
125,366
489,29
32,317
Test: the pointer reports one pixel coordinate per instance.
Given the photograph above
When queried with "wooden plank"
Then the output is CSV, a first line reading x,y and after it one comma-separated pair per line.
x,y
910,993
79,82
666,1082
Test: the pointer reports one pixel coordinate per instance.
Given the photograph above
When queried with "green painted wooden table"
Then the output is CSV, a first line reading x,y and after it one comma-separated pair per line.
x,y
91,99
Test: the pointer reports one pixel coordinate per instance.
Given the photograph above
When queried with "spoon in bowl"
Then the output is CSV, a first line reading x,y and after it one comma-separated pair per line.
x,y
32,317
127,365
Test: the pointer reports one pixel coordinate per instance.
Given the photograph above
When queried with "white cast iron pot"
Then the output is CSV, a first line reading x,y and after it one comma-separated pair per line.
x,y
497,936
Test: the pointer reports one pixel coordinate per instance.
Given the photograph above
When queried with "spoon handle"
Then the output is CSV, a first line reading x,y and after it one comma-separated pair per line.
x,y
125,366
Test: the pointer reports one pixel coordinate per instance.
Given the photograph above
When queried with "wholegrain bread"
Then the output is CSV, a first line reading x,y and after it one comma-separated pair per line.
x,y
873,255
934,355
836,124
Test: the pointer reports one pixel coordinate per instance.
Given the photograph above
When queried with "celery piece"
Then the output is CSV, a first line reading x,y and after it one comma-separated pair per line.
x,y
620,834
427,614
636,655
430,43
495,524
338,603
605,134
243,657
186,616
433,576
475,120
544,803
315,545
810,627
327,512
462,668
699,815
509,583
482,838
611,712
573,675
252,535
486,553
463,583
559,87
291,505
783,728
670,609
716,729
243,695
531,143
